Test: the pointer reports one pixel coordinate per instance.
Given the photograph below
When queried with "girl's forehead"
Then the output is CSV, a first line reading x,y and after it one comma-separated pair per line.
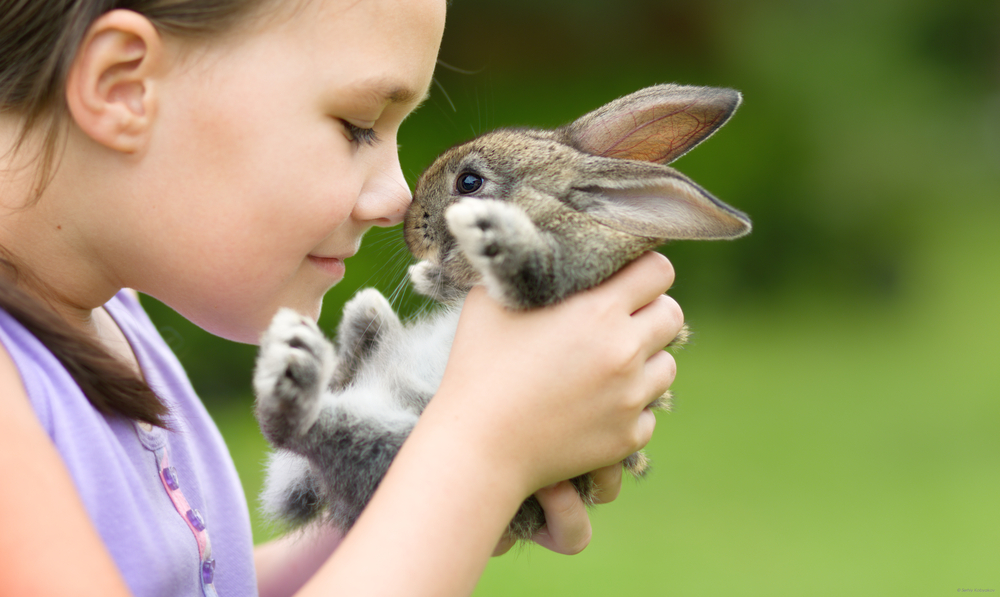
x,y
386,41
373,52
377,16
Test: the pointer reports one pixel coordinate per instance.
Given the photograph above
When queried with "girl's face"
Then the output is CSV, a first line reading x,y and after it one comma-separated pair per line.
x,y
274,153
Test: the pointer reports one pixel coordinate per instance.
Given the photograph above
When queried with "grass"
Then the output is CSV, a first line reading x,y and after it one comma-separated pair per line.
x,y
808,459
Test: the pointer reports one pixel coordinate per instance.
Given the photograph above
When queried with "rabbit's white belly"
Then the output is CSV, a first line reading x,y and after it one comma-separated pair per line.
x,y
406,371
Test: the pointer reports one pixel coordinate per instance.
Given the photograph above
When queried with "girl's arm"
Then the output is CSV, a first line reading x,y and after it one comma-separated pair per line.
x,y
285,564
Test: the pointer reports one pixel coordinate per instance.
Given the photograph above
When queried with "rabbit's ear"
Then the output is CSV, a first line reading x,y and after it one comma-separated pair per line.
x,y
656,202
657,124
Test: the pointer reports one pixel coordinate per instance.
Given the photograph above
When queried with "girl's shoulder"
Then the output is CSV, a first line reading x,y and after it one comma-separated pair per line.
x,y
29,371
117,466
11,386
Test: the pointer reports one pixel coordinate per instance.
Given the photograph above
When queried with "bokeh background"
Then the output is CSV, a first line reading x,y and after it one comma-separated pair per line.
x,y
838,414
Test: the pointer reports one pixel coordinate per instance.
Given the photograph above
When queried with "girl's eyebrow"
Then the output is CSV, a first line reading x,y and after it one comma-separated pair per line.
x,y
402,95
386,91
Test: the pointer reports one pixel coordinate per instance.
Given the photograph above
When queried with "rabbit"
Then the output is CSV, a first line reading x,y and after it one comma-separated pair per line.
x,y
535,216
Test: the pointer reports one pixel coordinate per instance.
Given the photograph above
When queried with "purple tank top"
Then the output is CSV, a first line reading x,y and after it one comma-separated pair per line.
x,y
168,504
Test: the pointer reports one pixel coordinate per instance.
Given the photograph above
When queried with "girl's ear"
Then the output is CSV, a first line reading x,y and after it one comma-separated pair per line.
x,y
657,124
653,201
111,85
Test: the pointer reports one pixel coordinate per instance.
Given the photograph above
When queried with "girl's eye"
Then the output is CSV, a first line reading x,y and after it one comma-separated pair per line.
x,y
361,135
468,182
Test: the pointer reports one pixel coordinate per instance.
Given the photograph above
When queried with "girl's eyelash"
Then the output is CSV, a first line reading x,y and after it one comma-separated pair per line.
x,y
361,135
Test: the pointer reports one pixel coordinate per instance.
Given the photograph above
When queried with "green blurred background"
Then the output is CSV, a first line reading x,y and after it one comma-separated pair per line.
x,y
838,414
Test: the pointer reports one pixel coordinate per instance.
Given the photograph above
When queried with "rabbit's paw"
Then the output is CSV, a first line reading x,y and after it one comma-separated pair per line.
x,y
682,339
505,247
294,366
636,464
431,280
490,232
368,320
664,403
426,278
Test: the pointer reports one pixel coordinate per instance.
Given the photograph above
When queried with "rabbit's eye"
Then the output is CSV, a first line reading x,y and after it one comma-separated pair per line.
x,y
468,183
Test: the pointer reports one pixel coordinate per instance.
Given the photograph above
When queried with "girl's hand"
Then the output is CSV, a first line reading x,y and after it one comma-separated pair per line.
x,y
548,394
567,529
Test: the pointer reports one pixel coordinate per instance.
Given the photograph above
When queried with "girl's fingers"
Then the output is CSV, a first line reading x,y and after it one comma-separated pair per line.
x,y
643,280
567,529
661,319
567,526
661,369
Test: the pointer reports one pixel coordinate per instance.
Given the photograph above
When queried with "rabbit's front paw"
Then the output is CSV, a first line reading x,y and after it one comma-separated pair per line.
x,y
293,368
505,247
431,280
368,321
489,232
426,278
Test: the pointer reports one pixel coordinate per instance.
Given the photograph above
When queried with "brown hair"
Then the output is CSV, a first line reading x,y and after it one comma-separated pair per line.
x,y
38,42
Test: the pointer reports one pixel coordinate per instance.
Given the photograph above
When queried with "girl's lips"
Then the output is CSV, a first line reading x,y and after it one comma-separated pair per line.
x,y
331,265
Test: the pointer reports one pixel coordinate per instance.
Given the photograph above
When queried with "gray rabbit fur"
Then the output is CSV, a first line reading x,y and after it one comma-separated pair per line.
x,y
535,216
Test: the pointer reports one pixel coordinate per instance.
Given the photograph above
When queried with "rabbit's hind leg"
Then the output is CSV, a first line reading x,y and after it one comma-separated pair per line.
x,y
293,369
292,494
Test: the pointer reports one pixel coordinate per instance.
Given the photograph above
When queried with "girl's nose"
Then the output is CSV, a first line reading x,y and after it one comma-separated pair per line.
x,y
385,195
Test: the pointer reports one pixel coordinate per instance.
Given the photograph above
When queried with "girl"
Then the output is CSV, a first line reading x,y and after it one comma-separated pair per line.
x,y
226,156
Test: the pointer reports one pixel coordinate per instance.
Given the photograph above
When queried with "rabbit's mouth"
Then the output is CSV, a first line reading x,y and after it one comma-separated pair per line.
x,y
419,237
